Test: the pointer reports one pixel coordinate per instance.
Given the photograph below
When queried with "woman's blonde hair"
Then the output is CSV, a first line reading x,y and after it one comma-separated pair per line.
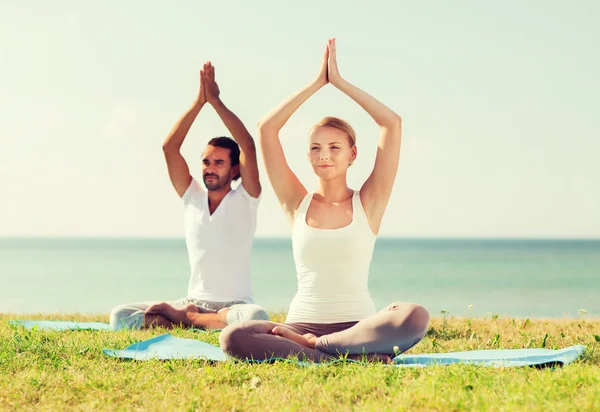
x,y
339,124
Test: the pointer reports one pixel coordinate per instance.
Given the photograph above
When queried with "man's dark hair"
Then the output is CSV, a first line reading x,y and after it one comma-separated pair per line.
x,y
234,150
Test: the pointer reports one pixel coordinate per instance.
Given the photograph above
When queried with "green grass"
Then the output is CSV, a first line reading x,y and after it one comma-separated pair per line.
x,y
67,370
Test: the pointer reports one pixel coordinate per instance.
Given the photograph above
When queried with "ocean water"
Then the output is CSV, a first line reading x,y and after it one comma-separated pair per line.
x,y
521,278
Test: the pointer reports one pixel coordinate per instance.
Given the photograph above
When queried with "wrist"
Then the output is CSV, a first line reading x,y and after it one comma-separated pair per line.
x,y
316,84
216,102
339,83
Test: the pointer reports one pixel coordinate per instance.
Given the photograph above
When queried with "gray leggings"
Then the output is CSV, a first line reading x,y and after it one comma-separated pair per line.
x,y
400,325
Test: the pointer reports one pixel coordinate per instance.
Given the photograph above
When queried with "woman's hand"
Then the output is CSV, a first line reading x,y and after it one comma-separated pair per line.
x,y
333,74
322,78
307,340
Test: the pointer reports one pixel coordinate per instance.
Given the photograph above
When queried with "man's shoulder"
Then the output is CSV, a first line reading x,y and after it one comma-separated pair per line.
x,y
241,196
193,193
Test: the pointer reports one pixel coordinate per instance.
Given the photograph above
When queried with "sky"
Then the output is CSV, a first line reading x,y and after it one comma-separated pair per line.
x,y
499,100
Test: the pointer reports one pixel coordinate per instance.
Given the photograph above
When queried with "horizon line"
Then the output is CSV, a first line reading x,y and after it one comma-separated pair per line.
x,y
388,237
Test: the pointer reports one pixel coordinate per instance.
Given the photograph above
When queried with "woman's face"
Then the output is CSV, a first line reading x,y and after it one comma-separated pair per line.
x,y
329,152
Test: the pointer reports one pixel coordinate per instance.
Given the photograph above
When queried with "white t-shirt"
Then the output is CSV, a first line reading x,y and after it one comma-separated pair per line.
x,y
219,245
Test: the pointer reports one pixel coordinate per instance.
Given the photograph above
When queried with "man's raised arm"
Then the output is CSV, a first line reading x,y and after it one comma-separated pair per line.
x,y
248,162
179,171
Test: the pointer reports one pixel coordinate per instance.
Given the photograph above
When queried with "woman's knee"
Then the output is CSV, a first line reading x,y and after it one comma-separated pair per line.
x,y
413,315
236,340
231,337
420,318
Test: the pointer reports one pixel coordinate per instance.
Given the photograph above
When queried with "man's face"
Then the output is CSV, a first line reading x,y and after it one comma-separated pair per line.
x,y
216,168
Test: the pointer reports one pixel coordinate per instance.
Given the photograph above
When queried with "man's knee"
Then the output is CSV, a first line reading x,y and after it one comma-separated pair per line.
x,y
124,317
245,312
116,315
255,312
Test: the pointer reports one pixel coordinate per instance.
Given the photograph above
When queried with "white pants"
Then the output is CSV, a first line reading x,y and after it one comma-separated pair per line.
x,y
131,316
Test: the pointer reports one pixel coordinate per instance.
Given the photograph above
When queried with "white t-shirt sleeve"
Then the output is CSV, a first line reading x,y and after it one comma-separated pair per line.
x,y
252,200
192,189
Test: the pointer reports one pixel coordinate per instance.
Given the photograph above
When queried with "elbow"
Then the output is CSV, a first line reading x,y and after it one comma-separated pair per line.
x,y
263,130
261,125
392,123
266,126
169,148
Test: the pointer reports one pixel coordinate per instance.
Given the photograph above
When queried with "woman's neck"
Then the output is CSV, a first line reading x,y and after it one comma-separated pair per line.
x,y
334,190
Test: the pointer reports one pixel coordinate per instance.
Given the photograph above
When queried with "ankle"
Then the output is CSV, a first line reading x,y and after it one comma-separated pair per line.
x,y
191,308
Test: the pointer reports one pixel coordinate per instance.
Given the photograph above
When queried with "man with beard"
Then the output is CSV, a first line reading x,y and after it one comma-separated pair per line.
x,y
219,226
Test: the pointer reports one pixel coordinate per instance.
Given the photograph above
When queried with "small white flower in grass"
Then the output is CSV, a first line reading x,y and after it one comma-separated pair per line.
x,y
255,382
471,307
396,349
582,312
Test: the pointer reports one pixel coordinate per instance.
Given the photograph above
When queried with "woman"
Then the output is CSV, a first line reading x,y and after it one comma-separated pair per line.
x,y
334,231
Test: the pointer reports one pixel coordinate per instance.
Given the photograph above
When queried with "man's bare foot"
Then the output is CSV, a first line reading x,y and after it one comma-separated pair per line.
x,y
156,321
222,313
158,308
191,308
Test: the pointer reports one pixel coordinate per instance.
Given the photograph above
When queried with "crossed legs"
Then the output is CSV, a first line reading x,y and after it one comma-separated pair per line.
x,y
394,329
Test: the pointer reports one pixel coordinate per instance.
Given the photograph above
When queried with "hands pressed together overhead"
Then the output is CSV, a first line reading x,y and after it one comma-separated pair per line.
x,y
329,72
209,89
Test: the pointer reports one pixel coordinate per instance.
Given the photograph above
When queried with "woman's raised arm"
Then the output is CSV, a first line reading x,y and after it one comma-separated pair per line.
x,y
377,189
286,185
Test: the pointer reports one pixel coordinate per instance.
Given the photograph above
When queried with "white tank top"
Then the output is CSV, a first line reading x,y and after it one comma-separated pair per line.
x,y
332,267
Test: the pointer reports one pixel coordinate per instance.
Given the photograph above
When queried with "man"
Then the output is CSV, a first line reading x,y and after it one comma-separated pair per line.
x,y
219,226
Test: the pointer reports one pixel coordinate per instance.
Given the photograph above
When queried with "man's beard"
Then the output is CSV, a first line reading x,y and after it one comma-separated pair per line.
x,y
214,184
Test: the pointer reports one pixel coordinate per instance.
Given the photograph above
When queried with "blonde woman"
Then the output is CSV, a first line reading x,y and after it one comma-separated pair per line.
x,y
333,233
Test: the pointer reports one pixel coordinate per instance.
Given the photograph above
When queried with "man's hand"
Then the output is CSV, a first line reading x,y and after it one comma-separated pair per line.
x,y
211,89
201,93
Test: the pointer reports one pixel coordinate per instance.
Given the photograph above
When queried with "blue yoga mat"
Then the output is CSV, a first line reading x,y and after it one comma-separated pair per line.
x,y
60,325
169,347
495,357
